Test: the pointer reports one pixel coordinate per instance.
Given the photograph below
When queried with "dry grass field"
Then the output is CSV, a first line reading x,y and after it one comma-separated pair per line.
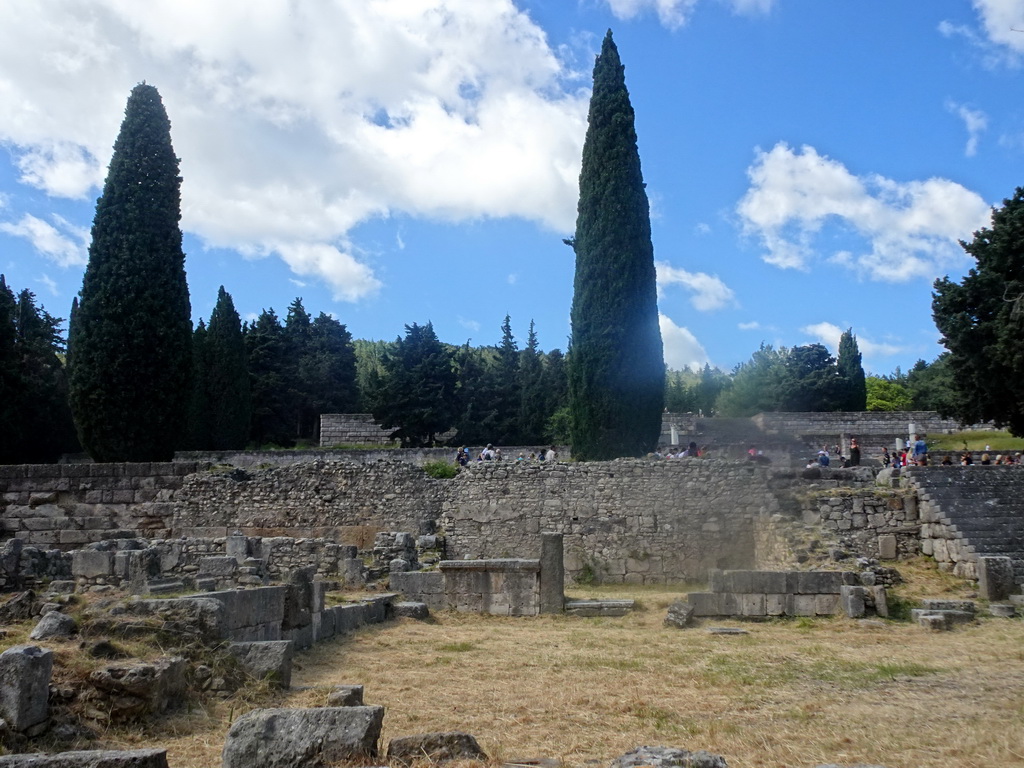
x,y
795,693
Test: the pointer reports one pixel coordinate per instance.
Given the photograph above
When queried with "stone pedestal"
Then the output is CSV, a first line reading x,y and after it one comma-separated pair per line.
x,y
552,574
25,686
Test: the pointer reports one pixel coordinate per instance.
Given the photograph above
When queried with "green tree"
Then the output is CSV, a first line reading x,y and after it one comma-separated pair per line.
x,y
328,372
269,372
34,413
532,399
757,385
130,338
417,398
931,386
227,388
198,409
981,320
616,361
852,373
812,381
886,395
507,388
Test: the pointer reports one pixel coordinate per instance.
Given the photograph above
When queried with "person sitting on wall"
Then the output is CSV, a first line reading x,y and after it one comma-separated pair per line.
x,y
823,458
966,459
947,461
550,455
886,458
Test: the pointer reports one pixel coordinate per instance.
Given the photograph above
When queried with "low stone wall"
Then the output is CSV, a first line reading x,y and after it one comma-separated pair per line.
x,y
67,505
761,594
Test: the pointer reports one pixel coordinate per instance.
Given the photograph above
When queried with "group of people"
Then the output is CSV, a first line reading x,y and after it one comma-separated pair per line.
x,y
824,457
913,454
677,452
966,459
490,453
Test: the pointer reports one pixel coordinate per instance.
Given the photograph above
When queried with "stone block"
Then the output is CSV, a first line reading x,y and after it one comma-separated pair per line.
x,y
434,748
881,601
768,582
346,696
887,547
995,578
25,686
91,563
729,604
775,605
552,573
266,661
752,604
968,606
853,601
718,581
294,738
100,758
801,605
218,567
301,636
704,603
412,610
320,588
826,605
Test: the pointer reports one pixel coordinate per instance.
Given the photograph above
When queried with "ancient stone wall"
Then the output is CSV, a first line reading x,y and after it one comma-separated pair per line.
x,y
623,521
857,422
67,505
344,502
352,429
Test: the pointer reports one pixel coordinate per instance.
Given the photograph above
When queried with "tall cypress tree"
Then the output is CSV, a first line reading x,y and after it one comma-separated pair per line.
x,y
616,360
852,373
130,337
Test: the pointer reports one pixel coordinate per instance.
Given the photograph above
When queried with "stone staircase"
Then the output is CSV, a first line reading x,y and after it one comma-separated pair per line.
x,y
971,512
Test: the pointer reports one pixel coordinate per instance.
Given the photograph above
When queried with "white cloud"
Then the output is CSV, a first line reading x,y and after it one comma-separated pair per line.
x,y
753,325
64,244
829,335
1003,21
671,13
975,121
49,283
675,13
297,121
709,292
682,350
470,325
512,278
912,228
702,228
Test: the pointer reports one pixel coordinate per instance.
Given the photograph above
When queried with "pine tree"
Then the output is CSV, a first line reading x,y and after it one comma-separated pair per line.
x,y
417,399
269,366
198,407
328,372
11,423
852,373
228,398
616,361
532,400
130,337
507,397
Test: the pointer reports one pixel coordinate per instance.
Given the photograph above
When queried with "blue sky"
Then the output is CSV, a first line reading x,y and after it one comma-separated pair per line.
x,y
810,165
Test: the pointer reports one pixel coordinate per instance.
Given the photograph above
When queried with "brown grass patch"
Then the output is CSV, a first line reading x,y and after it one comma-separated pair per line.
x,y
791,693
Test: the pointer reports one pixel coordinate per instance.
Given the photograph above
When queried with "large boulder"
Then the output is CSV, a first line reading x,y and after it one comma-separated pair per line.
x,y
668,757
136,758
54,625
435,747
302,738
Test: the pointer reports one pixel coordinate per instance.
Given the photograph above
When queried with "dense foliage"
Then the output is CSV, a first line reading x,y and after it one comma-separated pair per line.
x,y
981,320
35,419
416,393
130,338
851,372
616,361
221,403
803,378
